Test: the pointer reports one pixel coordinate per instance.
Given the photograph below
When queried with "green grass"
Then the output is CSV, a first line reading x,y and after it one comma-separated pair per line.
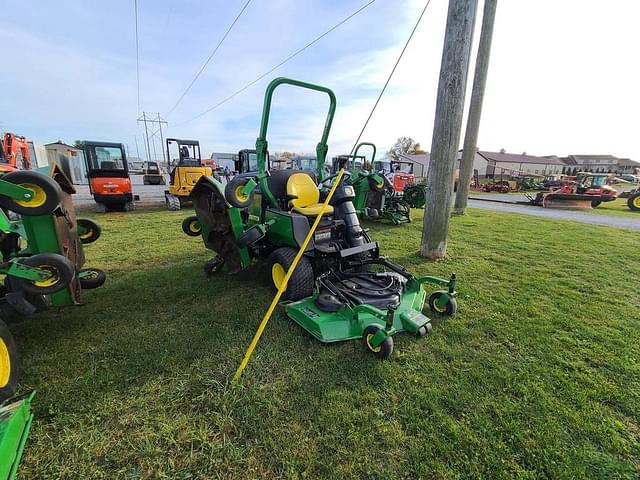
x,y
538,376
616,207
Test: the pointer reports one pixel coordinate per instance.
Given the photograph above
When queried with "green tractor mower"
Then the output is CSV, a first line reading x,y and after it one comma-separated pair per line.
x,y
342,288
41,244
375,196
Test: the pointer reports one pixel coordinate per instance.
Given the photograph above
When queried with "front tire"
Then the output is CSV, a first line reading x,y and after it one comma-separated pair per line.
x,y
301,282
384,350
435,303
46,196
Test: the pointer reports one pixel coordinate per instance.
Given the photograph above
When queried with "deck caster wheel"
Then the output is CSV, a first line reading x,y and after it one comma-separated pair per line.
x,y
214,265
91,278
61,269
384,350
424,330
191,226
45,197
88,230
437,303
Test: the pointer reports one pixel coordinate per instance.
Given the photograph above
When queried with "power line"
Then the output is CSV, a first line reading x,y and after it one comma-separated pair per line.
x,y
209,59
390,75
135,8
295,54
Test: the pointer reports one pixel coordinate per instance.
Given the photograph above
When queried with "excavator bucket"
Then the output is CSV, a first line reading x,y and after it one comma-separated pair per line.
x,y
221,224
563,200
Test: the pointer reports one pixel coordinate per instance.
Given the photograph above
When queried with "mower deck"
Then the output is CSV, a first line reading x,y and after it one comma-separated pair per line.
x,y
349,322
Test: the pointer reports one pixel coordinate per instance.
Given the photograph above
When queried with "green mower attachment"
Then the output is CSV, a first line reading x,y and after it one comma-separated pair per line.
x,y
374,194
342,288
41,246
15,423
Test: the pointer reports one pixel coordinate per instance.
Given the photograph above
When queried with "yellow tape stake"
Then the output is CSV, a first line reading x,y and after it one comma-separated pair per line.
x,y
283,287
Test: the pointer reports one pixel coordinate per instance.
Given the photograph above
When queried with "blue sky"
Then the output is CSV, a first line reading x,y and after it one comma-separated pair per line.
x,y
71,73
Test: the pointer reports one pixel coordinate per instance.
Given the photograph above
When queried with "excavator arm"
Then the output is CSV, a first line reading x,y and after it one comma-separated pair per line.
x,y
12,145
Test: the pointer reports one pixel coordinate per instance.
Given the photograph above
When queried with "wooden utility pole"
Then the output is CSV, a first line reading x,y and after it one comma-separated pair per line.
x,y
447,125
475,107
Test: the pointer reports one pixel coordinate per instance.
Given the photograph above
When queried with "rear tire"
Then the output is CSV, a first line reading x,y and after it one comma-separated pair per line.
x,y
101,208
173,202
595,203
129,207
633,202
47,193
301,282
9,363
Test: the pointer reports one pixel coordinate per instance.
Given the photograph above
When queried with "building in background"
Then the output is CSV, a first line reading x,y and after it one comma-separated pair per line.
x,y
71,160
601,164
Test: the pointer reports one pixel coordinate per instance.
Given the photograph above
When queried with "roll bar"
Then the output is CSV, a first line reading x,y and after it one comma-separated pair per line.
x,y
262,144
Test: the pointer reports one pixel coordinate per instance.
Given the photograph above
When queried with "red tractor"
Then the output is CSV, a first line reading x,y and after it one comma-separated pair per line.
x,y
594,184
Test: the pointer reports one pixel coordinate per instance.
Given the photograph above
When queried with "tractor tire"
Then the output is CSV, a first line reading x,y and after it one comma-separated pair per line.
x,y
9,363
91,231
375,186
633,202
301,282
173,202
214,265
233,194
415,195
595,203
384,350
129,207
61,267
94,279
47,193
191,226
101,208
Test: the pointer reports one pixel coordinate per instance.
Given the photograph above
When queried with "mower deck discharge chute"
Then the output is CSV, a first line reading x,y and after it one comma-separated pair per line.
x,y
342,288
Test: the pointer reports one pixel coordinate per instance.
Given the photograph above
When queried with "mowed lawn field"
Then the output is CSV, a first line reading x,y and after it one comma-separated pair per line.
x,y
538,375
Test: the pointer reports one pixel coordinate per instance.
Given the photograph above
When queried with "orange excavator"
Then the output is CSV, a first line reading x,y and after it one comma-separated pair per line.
x,y
14,153
108,173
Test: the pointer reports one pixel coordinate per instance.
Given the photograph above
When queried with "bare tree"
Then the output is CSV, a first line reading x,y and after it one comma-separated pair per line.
x,y
405,146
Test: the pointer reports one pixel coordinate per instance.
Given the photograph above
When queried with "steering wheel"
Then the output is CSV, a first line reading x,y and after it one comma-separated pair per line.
x,y
327,181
